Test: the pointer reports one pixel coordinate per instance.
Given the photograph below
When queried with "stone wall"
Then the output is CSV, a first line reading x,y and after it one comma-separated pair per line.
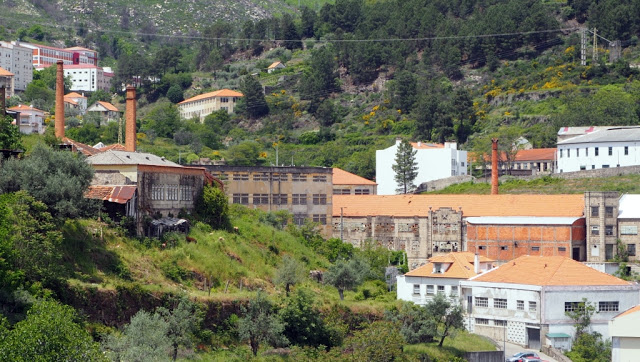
x,y
601,172
440,184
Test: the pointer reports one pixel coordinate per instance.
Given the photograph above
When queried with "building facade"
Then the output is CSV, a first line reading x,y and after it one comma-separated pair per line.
x,y
17,60
203,105
7,82
87,77
346,183
625,335
628,224
29,120
435,161
601,212
106,110
303,191
42,56
79,99
602,148
527,298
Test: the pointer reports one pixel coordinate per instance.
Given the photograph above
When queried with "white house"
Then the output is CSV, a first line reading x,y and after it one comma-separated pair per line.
x,y
106,110
435,161
625,336
275,66
202,105
526,300
602,148
79,99
30,120
441,275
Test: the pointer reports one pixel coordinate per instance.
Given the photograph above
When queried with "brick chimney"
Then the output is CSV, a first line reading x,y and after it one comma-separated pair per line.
x,y
60,99
494,166
130,119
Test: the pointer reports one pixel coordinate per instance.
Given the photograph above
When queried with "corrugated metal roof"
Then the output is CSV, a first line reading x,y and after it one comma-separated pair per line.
x,y
614,134
522,220
113,157
629,207
117,194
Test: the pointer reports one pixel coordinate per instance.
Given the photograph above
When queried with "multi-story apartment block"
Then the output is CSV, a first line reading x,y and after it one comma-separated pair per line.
x,y
601,212
203,105
43,56
303,191
88,78
17,60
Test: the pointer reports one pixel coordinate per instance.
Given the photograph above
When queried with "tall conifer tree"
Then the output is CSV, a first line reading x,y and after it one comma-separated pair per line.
x,y
405,167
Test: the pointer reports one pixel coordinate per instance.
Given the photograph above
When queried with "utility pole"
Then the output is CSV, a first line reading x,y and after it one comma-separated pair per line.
x,y
583,46
341,224
595,46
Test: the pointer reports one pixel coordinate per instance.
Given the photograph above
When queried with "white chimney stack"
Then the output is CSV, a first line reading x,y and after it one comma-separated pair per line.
x,y
476,264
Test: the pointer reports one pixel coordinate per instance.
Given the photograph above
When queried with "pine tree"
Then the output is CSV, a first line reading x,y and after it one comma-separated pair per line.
x,y
405,167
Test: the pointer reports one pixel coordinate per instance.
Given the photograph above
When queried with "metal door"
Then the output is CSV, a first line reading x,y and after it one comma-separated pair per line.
x,y
533,338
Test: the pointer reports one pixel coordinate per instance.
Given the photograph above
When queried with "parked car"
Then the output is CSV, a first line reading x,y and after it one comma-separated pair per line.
x,y
532,359
522,356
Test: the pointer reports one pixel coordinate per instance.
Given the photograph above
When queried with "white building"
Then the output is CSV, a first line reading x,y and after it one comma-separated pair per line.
x,y
625,336
435,161
42,56
275,66
203,105
17,60
30,120
526,300
87,77
441,275
602,148
79,99
106,110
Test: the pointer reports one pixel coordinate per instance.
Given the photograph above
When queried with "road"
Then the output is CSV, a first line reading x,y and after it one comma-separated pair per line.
x,y
514,348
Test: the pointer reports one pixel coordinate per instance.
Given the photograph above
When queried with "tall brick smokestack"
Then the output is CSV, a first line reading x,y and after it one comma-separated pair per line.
x,y
130,118
60,99
494,166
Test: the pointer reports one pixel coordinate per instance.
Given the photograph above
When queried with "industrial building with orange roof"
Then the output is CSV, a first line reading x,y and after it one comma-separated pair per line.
x,y
202,105
526,299
347,183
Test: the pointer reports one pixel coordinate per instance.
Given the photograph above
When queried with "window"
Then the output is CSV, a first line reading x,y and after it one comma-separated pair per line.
x,y
568,153
500,303
626,150
500,323
362,191
440,289
562,248
186,193
261,177
561,153
520,304
586,151
296,177
608,230
610,151
481,247
341,191
573,306
605,166
299,199
281,177
319,199
157,192
259,199
173,192
595,211
608,211
628,230
242,199
533,306
608,306
224,100
504,248
582,168
482,302
482,321
416,289
595,230
317,178
240,177
320,218
279,199
577,152
454,291
298,219
631,249
596,149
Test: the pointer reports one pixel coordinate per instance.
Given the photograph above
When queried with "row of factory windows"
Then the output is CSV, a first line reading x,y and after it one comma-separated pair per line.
x,y
295,177
501,303
596,151
348,192
172,192
279,199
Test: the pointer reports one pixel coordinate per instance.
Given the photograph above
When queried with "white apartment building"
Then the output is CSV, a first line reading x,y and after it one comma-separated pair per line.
x,y
30,119
88,78
17,60
435,161
602,148
203,105
42,56
526,299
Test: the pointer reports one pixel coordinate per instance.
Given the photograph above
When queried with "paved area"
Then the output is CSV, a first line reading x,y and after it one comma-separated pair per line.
x,y
514,348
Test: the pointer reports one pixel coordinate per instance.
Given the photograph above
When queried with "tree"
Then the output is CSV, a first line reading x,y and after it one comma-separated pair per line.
x,y
346,275
49,333
175,94
10,135
303,324
377,342
260,324
253,102
589,347
145,338
212,207
183,322
57,178
446,317
581,314
163,119
320,80
99,95
243,154
405,167
403,91
290,272
167,57
416,325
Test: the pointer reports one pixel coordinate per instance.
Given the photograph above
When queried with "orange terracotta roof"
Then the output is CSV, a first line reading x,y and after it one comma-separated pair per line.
x,y
629,311
115,147
5,73
472,205
23,108
219,93
534,154
69,100
78,146
74,95
548,271
108,106
342,177
461,266
274,64
426,146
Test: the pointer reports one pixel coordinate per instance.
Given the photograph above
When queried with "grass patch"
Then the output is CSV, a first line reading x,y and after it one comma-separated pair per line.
x,y
452,347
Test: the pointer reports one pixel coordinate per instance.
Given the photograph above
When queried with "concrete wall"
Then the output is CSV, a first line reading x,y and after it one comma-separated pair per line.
x,y
406,292
355,189
440,184
625,349
569,160
485,356
628,234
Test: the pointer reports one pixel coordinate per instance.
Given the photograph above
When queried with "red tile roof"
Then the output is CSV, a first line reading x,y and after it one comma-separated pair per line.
x,y
548,271
74,95
69,100
472,205
461,266
632,310
23,108
108,106
85,149
115,147
274,64
5,73
342,177
534,154
426,146
219,93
